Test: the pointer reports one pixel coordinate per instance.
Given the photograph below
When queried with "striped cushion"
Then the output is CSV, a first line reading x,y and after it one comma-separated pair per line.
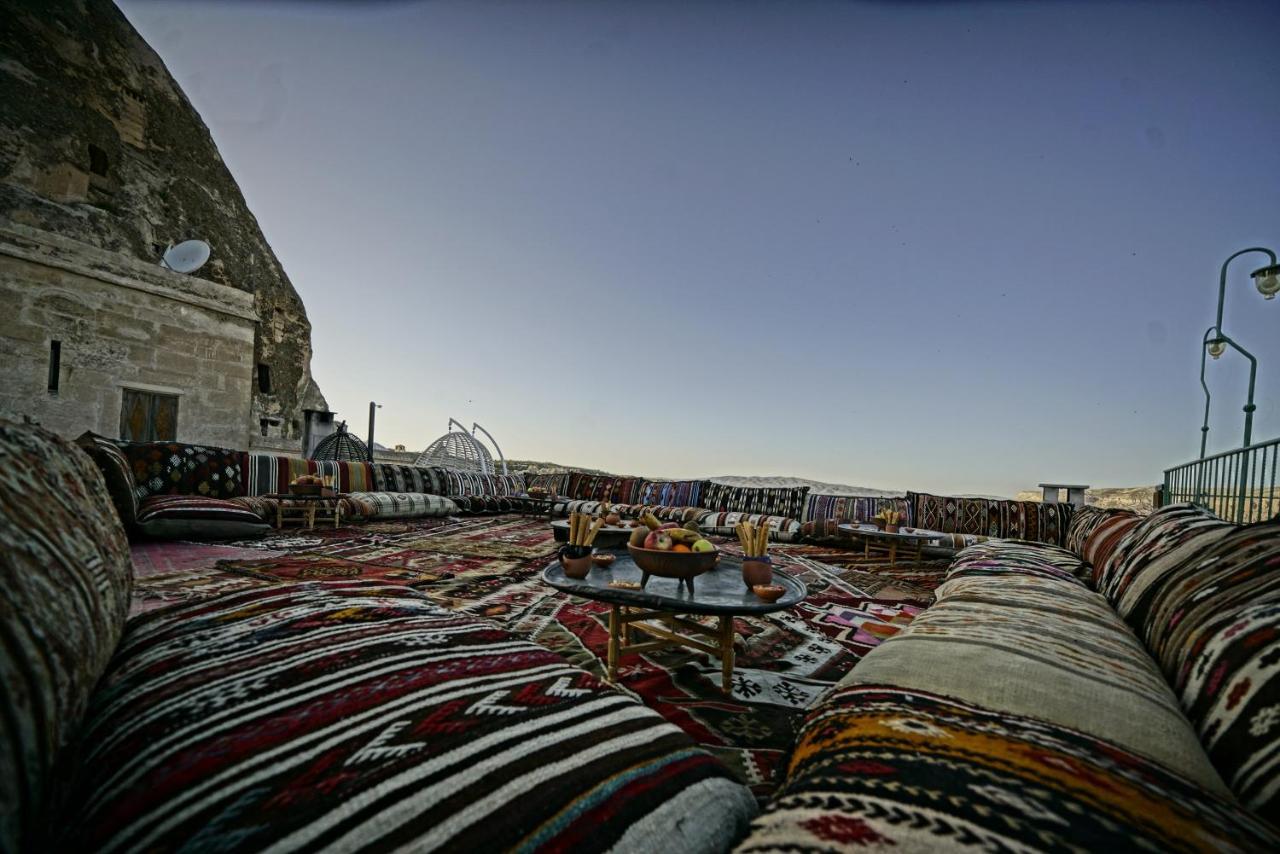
x,y
272,473
346,715
1103,539
880,768
194,517
781,529
671,493
398,477
769,501
1048,648
1160,544
854,508
117,473
555,483
1018,557
403,505
66,578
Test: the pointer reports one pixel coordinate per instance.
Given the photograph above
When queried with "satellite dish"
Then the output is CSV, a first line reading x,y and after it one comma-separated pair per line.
x,y
187,257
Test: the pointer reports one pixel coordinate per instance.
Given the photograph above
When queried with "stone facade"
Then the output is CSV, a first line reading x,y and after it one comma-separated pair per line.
x,y
99,144
120,324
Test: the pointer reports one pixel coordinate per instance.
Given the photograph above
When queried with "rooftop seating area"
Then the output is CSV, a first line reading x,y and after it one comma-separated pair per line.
x,y
1040,676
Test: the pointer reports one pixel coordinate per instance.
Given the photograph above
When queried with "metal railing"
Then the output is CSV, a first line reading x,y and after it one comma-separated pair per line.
x,y
1240,485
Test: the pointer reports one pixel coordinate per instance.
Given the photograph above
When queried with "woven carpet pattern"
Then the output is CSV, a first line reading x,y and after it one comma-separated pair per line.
x,y
491,568
312,716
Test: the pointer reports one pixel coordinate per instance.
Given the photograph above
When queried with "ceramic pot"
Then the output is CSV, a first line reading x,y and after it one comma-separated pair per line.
x,y
879,523
756,571
576,561
891,529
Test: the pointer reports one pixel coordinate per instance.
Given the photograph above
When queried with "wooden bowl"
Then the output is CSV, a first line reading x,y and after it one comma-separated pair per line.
x,y
769,592
672,564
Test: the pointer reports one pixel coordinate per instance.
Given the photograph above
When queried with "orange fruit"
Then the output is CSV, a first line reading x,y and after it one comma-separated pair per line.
x,y
681,548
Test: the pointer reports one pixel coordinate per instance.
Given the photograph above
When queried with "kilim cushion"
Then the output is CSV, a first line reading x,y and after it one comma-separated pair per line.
x,y
1229,683
887,769
781,529
992,517
66,578
1085,520
1161,543
194,517
345,715
1103,540
768,501
117,473
1018,557
854,508
174,468
272,473
404,505
671,493
1045,647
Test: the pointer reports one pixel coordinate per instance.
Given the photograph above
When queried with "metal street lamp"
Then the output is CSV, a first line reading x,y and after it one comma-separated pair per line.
x,y
1267,279
1219,342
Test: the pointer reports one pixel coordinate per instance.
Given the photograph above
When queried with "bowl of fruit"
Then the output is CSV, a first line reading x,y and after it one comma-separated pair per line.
x,y
306,484
669,550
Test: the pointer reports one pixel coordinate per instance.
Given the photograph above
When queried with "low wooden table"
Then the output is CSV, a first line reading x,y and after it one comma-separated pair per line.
x,y
608,537
660,609
306,509
911,537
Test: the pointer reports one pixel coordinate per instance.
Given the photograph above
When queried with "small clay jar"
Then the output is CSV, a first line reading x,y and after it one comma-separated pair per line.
x,y
890,529
756,571
576,561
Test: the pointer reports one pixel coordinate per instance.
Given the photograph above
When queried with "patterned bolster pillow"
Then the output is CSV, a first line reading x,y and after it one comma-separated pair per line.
x,y
64,597
781,529
117,473
402,505
193,517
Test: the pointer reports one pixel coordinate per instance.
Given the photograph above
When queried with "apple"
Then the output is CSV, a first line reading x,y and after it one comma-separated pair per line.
x,y
659,541
703,546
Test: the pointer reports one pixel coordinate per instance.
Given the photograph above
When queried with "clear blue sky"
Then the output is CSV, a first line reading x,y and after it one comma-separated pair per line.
x,y
942,246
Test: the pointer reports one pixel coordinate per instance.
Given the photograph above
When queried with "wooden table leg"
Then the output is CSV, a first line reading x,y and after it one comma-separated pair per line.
x,y
615,632
726,653
893,553
279,513
337,513
311,515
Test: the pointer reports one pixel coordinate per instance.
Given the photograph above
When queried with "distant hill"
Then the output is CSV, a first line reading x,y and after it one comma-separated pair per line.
x,y
1127,497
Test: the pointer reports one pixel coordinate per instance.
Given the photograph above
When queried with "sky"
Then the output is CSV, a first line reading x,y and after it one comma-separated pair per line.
x,y
942,246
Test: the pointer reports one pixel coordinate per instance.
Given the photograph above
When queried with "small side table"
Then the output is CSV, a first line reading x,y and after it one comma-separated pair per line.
x,y
1050,493
305,510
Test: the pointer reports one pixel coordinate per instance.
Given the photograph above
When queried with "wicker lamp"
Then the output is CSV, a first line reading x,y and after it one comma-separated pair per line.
x,y
341,446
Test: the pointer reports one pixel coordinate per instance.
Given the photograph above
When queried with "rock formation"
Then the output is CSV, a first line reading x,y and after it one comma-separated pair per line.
x,y
98,143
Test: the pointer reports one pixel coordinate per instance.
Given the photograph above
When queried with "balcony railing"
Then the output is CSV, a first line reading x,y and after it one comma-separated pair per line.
x,y
1240,485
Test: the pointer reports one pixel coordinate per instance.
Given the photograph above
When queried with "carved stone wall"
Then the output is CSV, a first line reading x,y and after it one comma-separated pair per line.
x,y
119,325
99,144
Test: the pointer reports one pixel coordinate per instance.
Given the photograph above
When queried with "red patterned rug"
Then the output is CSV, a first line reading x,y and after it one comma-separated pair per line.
x,y
491,567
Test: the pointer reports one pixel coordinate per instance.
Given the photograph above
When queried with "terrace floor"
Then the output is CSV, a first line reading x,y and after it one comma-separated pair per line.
x,y
489,567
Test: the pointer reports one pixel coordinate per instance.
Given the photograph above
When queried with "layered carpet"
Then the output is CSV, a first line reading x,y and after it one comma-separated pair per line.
x,y
490,567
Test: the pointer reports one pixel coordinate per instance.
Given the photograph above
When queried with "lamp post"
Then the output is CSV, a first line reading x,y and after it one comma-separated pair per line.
x,y
1214,347
373,408
1266,279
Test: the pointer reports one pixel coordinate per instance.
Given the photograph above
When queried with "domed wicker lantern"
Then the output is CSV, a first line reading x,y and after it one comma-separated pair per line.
x,y
458,449
341,446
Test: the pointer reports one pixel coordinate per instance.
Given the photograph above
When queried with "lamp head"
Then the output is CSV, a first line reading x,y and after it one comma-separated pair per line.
x,y
1267,280
1217,346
